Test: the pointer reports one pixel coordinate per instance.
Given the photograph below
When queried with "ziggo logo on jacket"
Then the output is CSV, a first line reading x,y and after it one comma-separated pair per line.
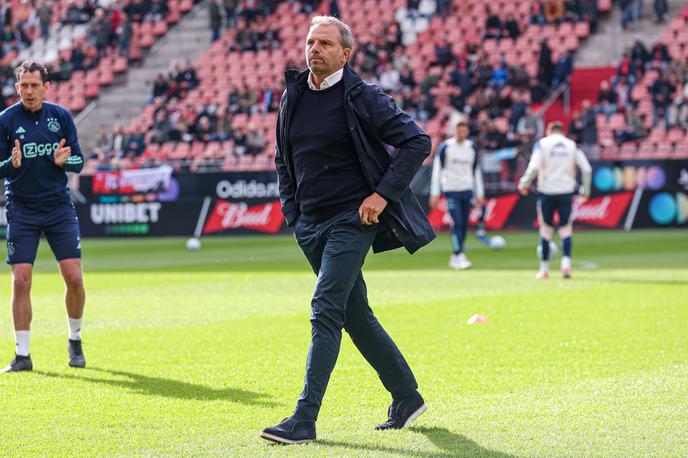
x,y
39,149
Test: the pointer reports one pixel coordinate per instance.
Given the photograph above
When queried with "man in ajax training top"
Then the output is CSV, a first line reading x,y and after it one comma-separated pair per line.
x,y
38,146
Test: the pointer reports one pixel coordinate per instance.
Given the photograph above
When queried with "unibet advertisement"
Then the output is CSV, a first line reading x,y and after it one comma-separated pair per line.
x,y
158,202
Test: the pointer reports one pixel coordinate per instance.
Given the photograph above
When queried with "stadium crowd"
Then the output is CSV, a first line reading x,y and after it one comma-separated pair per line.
x,y
501,101
666,88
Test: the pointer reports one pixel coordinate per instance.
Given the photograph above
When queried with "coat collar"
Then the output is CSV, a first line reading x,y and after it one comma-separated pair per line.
x,y
297,79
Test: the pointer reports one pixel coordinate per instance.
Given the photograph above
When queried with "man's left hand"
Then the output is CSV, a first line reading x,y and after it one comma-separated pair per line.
x,y
62,153
370,209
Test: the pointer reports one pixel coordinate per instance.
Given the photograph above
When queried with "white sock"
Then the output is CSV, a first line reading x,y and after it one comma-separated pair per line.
x,y
566,262
75,328
544,266
22,342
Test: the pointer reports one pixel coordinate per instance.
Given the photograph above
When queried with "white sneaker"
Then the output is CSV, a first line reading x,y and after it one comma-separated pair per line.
x,y
566,267
459,262
542,275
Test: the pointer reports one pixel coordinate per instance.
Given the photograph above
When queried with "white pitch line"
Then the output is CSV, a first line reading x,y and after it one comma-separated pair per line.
x,y
586,265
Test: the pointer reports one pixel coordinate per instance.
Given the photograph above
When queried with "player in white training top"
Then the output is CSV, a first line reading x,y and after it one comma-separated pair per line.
x,y
456,173
555,161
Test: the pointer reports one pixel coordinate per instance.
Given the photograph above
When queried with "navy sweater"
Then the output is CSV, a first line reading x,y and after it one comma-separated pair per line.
x,y
329,178
38,179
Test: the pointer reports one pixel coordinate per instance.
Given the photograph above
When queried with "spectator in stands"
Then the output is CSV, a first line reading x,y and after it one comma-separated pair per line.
x,y
588,134
626,7
64,70
443,51
333,9
589,8
538,91
634,129
639,55
659,56
661,10
203,131
5,13
511,28
606,99
573,10
124,32
553,10
78,13
678,112
562,69
530,127
500,75
230,7
115,146
138,10
215,17
661,91
160,87
443,8
255,141
44,13
537,15
545,65
23,16
406,78
518,108
186,76
159,9
575,126
490,138
493,25
82,58
389,78
135,142
100,32
623,94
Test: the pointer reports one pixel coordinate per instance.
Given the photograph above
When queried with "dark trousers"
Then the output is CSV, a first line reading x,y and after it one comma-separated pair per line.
x,y
459,207
336,250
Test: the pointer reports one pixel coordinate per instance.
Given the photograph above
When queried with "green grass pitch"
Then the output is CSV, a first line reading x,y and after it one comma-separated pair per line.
x,y
193,353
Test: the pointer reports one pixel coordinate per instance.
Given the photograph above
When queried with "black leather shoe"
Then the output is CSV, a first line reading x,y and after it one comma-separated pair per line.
x,y
76,354
290,431
403,412
20,363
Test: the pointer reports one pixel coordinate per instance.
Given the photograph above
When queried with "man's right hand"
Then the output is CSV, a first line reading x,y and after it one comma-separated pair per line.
x,y
433,201
16,155
523,190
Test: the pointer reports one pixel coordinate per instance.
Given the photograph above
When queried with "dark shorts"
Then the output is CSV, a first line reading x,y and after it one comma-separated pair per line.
x,y
561,203
26,222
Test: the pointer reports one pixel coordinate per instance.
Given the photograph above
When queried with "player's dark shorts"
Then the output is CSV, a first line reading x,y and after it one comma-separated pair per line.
x,y
26,222
561,203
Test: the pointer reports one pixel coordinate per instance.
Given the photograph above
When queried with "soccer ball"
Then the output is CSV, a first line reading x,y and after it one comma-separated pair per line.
x,y
193,244
553,250
497,242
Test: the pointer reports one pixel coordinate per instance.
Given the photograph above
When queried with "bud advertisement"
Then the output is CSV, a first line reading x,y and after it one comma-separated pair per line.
x,y
630,194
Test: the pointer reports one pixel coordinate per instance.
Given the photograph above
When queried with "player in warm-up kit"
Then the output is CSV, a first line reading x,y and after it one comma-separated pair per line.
x,y
38,146
456,173
554,161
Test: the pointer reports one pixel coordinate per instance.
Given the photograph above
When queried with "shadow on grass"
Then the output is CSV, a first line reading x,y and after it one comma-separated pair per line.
x,y
158,386
449,444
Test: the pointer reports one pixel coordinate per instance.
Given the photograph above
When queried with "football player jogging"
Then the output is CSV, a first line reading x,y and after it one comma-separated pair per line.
x,y
38,146
456,173
555,160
